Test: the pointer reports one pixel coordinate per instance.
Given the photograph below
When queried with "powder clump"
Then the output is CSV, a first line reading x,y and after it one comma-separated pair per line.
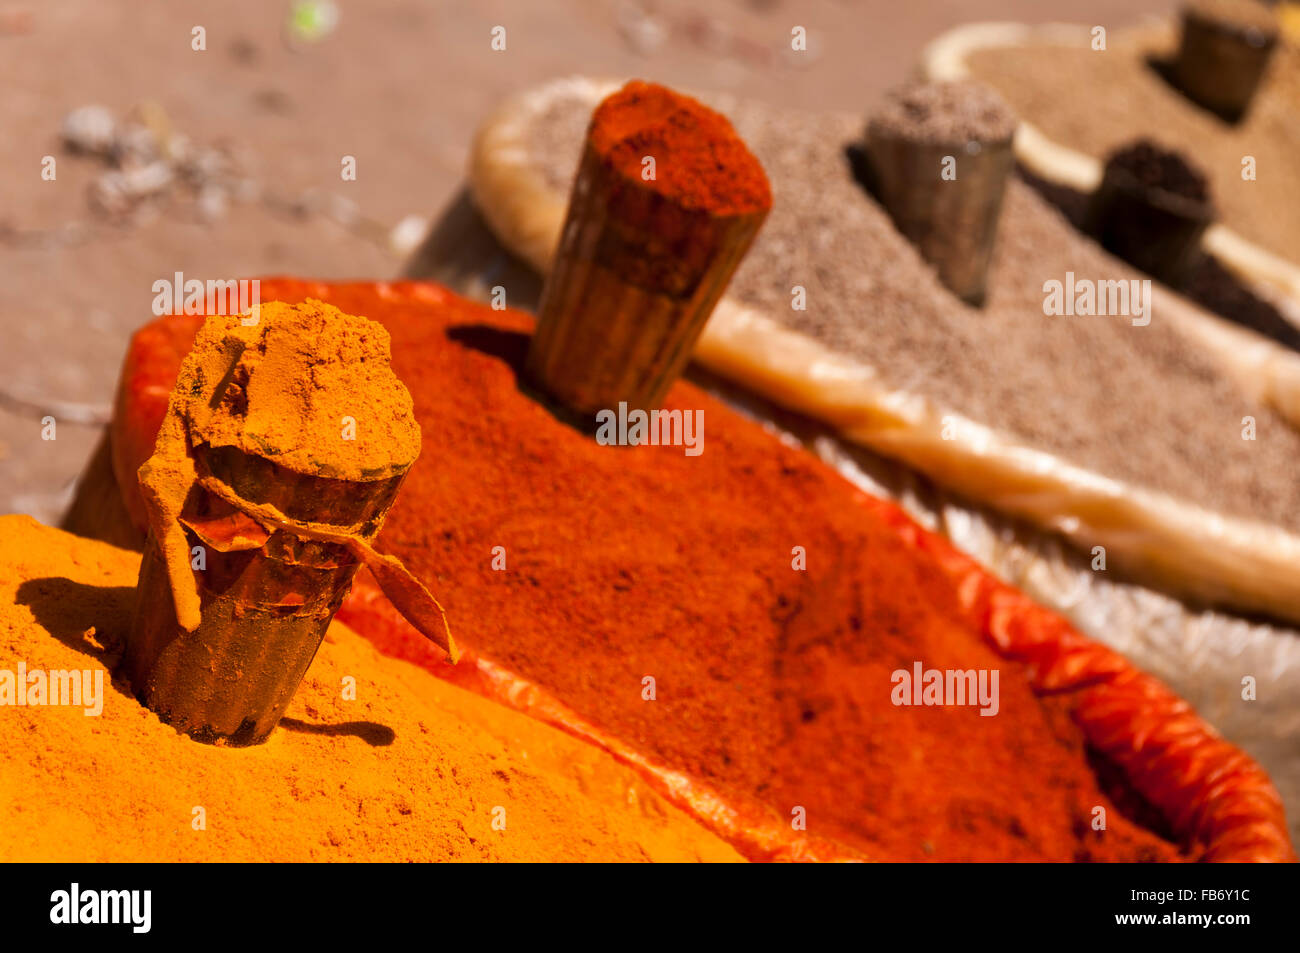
x,y
311,390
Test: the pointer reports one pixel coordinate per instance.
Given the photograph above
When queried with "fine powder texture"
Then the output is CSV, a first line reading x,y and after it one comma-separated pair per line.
x,y
944,114
771,683
304,372
699,161
1096,102
1158,168
1140,404
411,770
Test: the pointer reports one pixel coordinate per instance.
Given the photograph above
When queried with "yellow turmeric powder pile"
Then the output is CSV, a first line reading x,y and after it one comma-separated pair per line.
x,y
375,760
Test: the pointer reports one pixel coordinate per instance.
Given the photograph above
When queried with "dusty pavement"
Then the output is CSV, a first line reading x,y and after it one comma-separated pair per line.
x,y
397,84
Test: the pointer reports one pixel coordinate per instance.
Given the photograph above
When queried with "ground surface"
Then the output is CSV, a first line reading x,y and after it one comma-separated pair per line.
x,y
399,84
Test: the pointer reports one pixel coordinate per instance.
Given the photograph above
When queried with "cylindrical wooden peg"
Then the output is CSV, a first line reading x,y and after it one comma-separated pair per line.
x,y
939,155
666,202
1225,49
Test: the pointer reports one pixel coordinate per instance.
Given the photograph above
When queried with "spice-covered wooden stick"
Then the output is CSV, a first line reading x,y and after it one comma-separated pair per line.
x,y
666,202
284,445
940,155
1226,46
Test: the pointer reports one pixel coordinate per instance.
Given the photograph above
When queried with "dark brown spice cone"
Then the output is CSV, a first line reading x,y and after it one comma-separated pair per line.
x,y
1153,229
635,278
267,598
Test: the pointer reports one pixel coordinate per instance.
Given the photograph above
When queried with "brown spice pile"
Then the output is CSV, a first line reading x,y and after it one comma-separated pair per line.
x,y
1136,403
1096,101
409,771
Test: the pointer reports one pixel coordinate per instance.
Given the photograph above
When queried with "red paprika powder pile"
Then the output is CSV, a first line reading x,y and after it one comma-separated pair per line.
x,y
589,569
769,682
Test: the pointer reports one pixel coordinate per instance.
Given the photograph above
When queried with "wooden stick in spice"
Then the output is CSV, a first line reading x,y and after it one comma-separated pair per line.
x,y
939,155
1151,209
666,202
1225,49
283,447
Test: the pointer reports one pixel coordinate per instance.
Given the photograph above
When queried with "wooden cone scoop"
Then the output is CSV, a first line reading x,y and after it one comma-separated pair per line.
x,y
1225,49
284,445
666,202
939,156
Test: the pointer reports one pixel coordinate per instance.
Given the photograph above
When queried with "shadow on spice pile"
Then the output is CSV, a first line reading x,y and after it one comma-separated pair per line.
x,y
74,613
511,347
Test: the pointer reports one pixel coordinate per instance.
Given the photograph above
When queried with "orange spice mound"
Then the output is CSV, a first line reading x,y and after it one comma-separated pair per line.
x,y
409,771
700,162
